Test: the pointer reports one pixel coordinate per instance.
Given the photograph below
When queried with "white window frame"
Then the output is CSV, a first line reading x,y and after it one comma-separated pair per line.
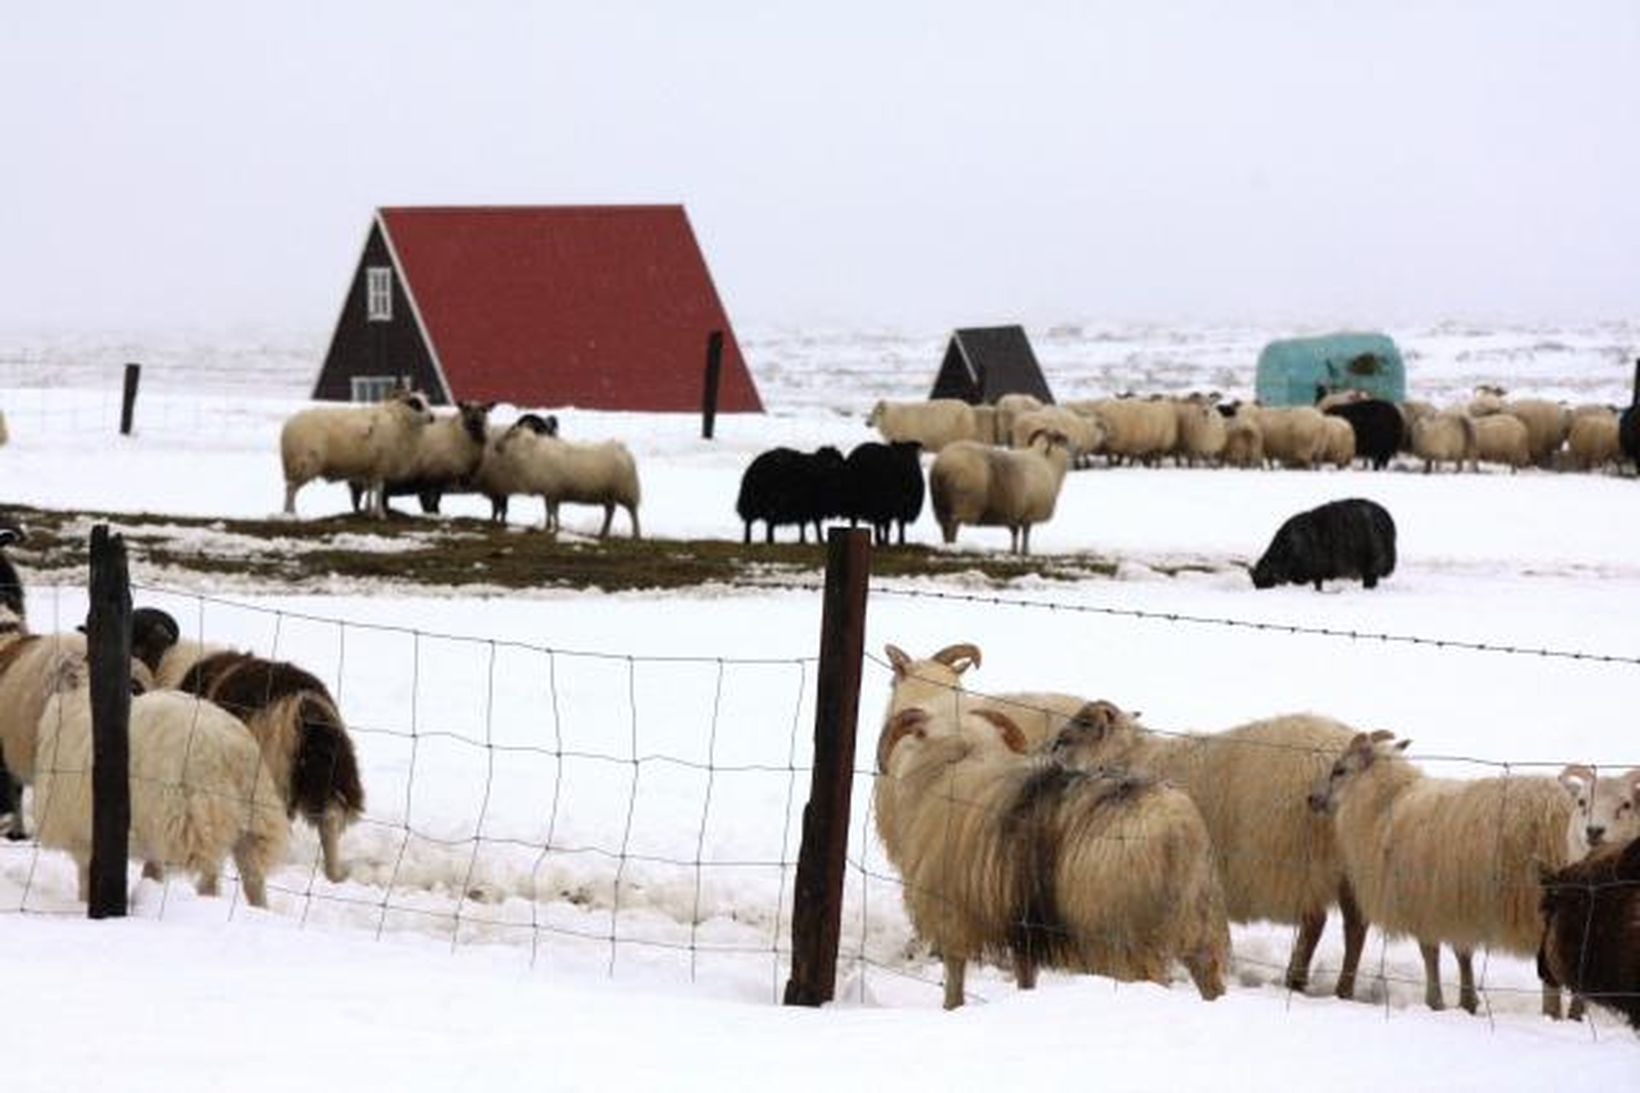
x,y
373,388
378,294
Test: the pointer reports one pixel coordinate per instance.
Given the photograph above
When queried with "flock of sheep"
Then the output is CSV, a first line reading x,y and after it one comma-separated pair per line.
x,y
1045,829
399,446
226,749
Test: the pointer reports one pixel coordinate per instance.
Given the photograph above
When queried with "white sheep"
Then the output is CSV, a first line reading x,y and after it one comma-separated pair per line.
x,y
1593,439
1501,438
1413,411
1009,409
1547,424
1294,436
367,444
528,462
1446,437
987,422
1139,430
1243,442
1278,861
199,788
448,452
933,424
1605,811
1026,858
972,483
1203,431
1086,433
1445,860
1339,449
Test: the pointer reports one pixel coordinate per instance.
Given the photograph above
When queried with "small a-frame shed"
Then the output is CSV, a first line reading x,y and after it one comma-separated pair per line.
x,y
983,363
599,306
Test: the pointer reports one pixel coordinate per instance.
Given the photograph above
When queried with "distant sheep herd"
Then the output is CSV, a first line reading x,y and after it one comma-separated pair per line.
x,y
1045,829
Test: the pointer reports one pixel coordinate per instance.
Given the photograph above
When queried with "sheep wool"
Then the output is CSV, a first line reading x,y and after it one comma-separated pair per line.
x,y
933,424
199,789
973,483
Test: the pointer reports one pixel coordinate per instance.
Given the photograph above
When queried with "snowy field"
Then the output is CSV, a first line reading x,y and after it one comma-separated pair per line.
x,y
658,743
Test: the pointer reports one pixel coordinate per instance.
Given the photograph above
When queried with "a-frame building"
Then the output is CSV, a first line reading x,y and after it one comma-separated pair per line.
x,y
593,306
984,363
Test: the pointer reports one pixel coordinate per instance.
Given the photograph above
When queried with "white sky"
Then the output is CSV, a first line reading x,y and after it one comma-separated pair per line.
x,y
910,164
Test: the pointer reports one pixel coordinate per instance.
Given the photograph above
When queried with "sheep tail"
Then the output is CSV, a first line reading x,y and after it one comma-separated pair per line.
x,y
325,771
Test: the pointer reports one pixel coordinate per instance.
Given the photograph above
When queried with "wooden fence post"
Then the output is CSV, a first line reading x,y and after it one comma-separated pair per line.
x,y
714,372
108,642
817,905
128,401
1635,401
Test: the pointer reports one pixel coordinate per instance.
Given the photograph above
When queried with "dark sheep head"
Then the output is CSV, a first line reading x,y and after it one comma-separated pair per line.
x,y
152,632
475,419
1283,562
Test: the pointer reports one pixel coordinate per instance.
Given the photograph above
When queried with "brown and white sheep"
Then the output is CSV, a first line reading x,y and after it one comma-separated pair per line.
x,y
973,483
1277,860
933,424
602,473
1006,857
1591,928
1445,861
199,789
367,444
448,452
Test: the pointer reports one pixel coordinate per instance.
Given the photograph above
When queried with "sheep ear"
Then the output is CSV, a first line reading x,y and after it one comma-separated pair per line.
x,y
898,660
1402,745
1577,779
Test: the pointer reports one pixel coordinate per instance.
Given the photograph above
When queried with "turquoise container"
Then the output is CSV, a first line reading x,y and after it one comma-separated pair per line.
x,y
1297,371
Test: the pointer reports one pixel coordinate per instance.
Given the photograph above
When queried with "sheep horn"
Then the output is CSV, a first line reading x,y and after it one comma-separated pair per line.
x,y
952,653
1013,737
1382,734
908,722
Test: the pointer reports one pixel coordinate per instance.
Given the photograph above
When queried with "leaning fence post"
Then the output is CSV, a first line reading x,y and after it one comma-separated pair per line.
x,y
817,904
108,645
714,372
128,401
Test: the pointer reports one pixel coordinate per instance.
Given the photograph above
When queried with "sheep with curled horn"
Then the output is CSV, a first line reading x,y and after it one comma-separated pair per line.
x,y
289,711
1023,860
1445,861
1277,860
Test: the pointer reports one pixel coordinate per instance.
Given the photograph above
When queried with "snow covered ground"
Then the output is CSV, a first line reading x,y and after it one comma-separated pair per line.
x,y
659,743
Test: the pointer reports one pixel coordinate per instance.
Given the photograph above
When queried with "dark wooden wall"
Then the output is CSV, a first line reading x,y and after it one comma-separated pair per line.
x,y
364,348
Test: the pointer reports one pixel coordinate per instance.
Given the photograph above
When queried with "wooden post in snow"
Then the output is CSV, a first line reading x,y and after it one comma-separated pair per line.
x,y
128,400
714,373
817,903
108,643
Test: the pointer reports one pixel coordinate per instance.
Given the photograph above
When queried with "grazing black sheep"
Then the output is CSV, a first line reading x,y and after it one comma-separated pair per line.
x,y
883,485
1379,429
785,486
1591,929
1354,538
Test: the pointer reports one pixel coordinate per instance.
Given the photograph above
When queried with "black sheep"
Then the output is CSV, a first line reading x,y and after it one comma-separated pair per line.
x,y
12,621
1591,929
1354,538
1628,432
1379,429
785,486
883,485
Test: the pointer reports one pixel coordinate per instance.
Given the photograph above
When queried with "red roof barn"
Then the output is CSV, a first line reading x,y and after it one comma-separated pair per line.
x,y
602,307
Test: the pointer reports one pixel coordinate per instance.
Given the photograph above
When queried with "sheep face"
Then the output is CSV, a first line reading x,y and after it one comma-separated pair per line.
x,y
1363,751
475,420
152,632
1088,733
1604,810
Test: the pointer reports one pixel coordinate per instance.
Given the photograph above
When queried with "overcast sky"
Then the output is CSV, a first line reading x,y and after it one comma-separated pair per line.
x,y
908,164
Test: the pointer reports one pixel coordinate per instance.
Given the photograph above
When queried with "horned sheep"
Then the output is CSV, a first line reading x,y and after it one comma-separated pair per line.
x,y
933,424
1276,860
371,445
1009,409
1086,433
1028,859
973,483
1445,860
199,789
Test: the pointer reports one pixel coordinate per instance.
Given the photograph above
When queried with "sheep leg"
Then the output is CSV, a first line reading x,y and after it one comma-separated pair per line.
x,y
956,967
207,885
1467,998
632,511
1432,975
247,856
290,498
1024,969
1310,925
1575,1010
83,872
609,518
330,830
1355,939
153,870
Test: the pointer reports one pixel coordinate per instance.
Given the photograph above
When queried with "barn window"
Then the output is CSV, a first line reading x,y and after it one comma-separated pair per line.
x,y
374,388
378,294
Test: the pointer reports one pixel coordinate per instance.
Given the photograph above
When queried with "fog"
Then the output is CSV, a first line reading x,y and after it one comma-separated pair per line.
x,y
210,165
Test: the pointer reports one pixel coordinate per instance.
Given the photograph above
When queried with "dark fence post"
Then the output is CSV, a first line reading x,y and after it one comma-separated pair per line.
x,y
1635,401
128,402
714,372
817,905
108,642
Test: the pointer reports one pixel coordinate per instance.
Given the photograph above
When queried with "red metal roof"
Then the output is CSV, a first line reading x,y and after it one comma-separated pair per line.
x,y
598,306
